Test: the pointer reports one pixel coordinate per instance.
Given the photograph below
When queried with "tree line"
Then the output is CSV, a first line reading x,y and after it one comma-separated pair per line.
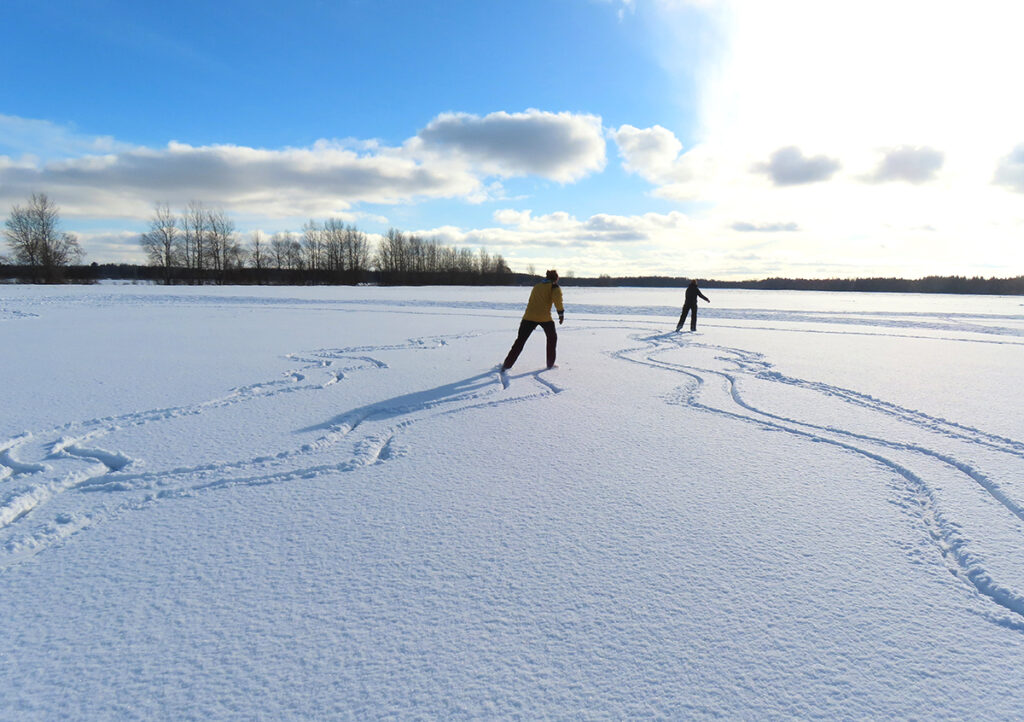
x,y
1013,286
200,245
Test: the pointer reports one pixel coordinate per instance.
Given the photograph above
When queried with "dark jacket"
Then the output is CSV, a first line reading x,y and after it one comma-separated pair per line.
x,y
691,295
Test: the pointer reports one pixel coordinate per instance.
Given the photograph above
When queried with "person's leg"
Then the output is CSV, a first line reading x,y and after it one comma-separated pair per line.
x,y
682,318
693,318
525,329
549,331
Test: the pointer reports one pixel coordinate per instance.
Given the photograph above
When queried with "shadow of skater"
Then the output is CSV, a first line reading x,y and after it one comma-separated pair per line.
x,y
690,304
538,313
464,389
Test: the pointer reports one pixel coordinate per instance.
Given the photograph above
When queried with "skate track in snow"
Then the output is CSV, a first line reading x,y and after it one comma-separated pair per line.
x,y
963,485
59,481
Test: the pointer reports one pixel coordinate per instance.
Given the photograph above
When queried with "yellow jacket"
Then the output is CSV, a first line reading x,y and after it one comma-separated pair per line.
x,y
542,296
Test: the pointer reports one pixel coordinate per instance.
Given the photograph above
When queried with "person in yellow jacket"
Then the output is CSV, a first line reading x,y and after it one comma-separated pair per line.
x,y
538,313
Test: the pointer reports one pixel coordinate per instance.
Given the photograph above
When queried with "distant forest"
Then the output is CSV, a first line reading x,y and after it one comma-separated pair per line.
x,y
503,276
929,284
200,246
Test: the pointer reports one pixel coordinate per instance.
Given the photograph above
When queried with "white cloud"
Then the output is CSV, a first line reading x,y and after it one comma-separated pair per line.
x,y
789,167
652,153
1010,170
656,155
510,217
41,139
558,221
561,229
777,227
561,146
912,164
111,247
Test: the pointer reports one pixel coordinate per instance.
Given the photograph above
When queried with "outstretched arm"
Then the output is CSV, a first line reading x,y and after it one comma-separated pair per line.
x,y
556,296
703,296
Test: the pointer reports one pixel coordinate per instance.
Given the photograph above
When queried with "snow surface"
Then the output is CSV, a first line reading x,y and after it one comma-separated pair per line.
x,y
326,503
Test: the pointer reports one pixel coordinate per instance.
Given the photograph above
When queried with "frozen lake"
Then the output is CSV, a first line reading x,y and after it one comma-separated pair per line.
x,y
326,503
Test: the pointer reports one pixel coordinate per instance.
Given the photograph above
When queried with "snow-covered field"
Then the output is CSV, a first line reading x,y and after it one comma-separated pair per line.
x,y
325,503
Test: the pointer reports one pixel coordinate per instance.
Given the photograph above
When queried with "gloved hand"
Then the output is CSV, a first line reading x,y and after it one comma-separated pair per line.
x,y
561,317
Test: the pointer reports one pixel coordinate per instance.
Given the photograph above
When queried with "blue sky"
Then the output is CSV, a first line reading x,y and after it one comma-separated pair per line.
x,y
713,138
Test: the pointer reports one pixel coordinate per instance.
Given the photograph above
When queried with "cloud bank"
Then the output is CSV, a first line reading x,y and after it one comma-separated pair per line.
x,y
453,157
276,182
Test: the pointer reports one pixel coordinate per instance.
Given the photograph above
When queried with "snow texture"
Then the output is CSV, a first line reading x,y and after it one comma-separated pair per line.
x,y
221,503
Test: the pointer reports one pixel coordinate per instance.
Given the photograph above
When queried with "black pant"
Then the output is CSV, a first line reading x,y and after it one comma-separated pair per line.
x,y
693,319
525,329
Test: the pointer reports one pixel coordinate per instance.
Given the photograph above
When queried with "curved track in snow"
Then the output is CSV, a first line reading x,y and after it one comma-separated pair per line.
x,y
968,511
40,468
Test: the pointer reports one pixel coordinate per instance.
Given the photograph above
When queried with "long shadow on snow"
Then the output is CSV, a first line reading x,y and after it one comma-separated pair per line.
x,y
405,404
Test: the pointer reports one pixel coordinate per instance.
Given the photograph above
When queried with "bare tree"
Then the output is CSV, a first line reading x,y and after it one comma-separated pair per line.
x,y
258,253
357,253
223,249
34,235
293,255
333,247
312,245
161,240
486,263
449,261
279,250
194,239
466,261
392,254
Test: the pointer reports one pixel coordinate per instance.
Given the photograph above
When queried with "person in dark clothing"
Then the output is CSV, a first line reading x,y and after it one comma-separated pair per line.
x,y
538,313
690,304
